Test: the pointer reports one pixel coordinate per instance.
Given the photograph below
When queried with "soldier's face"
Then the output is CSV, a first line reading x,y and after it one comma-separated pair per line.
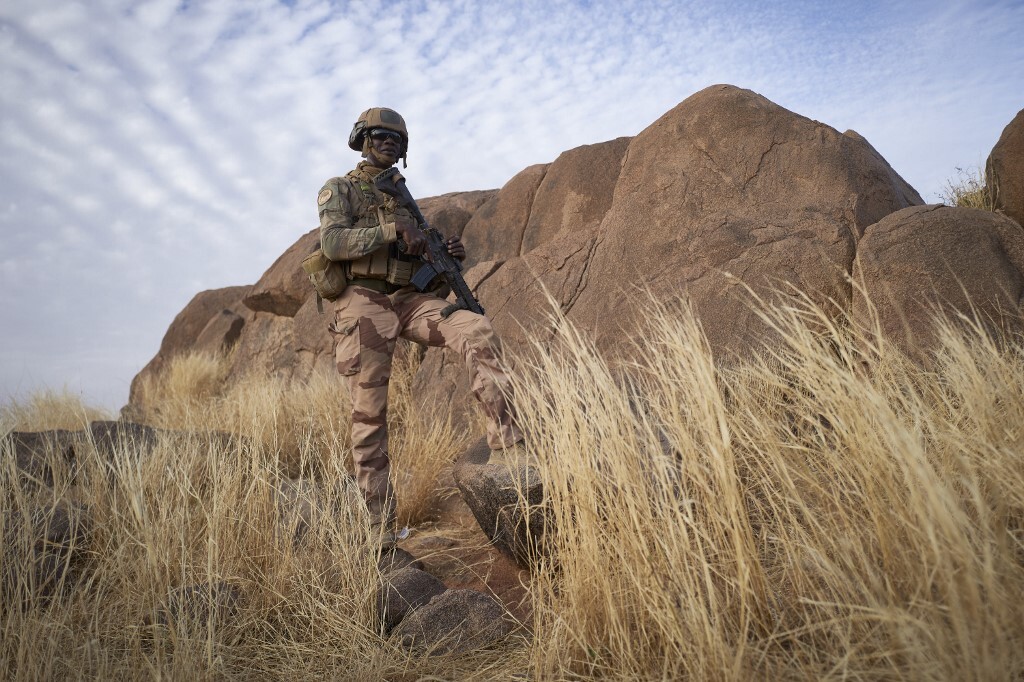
x,y
385,145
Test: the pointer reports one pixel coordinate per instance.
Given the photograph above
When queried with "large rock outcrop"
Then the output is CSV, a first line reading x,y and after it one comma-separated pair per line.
x,y
495,232
725,193
283,288
1004,171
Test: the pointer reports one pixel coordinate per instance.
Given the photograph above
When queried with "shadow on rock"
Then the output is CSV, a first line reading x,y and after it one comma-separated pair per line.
x,y
507,501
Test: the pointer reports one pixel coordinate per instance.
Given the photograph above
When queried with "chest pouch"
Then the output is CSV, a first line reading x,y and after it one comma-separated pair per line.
x,y
373,265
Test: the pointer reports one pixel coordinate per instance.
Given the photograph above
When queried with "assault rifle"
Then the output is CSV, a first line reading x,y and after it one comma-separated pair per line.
x,y
441,262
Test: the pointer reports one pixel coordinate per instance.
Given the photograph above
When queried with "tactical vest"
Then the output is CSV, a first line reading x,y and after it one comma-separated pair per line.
x,y
390,262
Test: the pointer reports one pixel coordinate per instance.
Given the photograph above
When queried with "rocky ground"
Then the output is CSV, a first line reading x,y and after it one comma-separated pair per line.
x,y
457,552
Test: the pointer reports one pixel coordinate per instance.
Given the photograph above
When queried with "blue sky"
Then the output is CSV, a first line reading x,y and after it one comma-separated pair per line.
x,y
150,150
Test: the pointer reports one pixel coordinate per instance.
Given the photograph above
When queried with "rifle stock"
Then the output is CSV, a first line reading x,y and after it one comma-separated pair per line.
x,y
441,262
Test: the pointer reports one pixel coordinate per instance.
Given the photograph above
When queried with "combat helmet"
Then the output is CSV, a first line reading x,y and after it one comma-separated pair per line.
x,y
378,117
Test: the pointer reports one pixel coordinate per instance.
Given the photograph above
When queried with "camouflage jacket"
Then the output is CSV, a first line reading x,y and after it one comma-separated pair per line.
x,y
350,223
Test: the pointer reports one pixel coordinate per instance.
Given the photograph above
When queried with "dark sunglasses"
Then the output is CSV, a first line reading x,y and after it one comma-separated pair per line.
x,y
380,134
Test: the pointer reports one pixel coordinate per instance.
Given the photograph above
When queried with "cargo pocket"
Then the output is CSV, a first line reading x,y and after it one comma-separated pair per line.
x,y
346,347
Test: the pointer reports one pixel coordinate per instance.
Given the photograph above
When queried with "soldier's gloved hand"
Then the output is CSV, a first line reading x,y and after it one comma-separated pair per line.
x,y
456,248
415,240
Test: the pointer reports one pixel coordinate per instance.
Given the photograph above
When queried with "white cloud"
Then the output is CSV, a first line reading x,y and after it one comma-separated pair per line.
x,y
150,149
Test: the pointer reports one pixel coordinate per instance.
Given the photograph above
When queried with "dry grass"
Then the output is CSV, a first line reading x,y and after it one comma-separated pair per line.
x,y
202,509
196,512
49,409
829,510
307,424
968,190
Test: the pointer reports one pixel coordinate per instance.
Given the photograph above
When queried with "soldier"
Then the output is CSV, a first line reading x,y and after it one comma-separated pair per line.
x,y
362,227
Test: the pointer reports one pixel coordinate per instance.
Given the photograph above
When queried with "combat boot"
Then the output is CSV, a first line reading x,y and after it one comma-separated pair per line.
x,y
384,523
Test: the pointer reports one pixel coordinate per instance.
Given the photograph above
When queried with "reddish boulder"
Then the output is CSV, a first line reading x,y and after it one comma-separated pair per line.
x,y
908,194
495,232
188,326
450,213
284,286
266,347
312,342
936,257
1004,172
539,202
726,191
222,331
575,193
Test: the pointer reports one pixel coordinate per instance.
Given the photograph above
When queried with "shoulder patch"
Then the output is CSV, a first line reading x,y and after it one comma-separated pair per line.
x,y
325,196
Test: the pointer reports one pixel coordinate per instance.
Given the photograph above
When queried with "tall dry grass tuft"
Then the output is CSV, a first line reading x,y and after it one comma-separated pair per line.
x,y
826,510
421,443
968,190
49,409
308,423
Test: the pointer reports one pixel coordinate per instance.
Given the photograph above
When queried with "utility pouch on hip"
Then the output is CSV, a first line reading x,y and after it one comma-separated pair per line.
x,y
326,276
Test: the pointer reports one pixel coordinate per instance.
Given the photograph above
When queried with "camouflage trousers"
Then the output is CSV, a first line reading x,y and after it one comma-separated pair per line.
x,y
366,328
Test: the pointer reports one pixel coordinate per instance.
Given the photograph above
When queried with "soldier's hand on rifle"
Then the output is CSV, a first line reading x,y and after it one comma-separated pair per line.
x,y
456,248
415,240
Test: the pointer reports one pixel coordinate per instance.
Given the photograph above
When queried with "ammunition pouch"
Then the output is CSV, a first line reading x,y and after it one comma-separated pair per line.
x,y
389,263
371,266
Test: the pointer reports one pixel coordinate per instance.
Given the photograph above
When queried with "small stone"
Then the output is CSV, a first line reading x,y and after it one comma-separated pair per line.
x,y
396,559
456,621
402,592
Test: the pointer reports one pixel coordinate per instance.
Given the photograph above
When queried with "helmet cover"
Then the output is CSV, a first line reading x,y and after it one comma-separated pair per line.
x,y
378,117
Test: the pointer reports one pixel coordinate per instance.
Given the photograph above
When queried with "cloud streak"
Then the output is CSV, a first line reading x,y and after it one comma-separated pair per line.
x,y
149,150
